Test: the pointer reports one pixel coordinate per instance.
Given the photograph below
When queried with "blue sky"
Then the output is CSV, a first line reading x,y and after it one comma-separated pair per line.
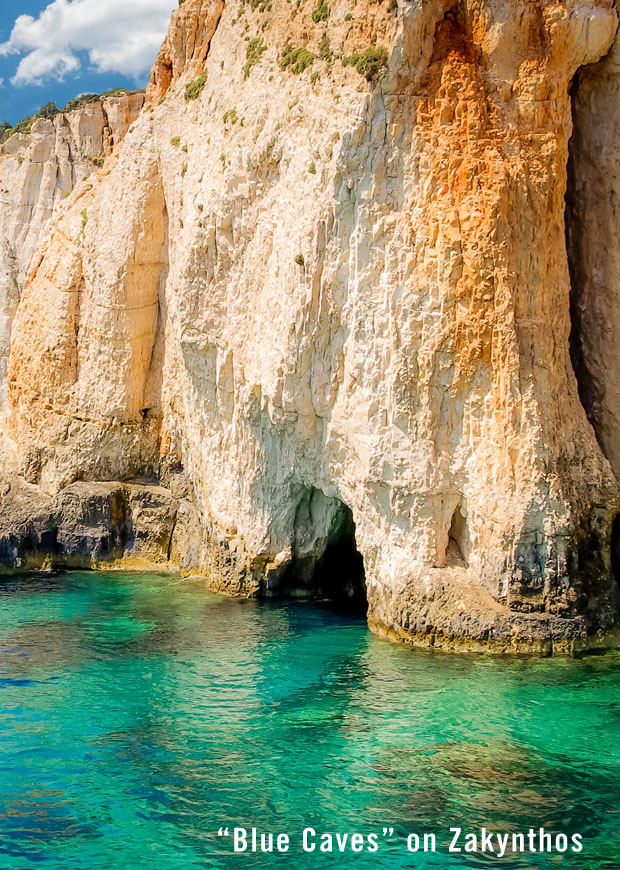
x,y
58,49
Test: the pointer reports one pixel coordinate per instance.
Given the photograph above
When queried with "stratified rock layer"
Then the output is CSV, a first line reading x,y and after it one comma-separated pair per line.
x,y
310,295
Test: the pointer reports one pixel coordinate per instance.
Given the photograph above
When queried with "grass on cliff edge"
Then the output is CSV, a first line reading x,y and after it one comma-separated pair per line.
x,y
50,110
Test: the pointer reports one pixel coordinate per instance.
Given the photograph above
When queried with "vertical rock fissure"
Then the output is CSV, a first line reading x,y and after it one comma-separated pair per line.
x,y
590,389
459,543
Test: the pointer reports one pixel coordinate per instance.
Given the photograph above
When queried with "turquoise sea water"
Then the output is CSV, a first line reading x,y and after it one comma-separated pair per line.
x,y
139,714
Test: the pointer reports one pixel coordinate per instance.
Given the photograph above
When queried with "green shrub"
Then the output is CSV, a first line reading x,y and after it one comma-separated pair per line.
x,y
25,125
231,116
312,168
392,5
81,101
175,141
369,62
84,214
321,13
194,89
99,161
348,17
254,51
299,259
48,111
296,59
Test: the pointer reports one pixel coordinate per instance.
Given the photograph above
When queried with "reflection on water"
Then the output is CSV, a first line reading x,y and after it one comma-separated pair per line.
x,y
138,714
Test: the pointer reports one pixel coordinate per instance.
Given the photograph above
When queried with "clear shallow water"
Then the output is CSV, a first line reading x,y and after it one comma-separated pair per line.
x,y
138,714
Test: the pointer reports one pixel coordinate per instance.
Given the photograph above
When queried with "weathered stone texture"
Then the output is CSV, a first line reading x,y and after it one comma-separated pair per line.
x,y
38,171
311,283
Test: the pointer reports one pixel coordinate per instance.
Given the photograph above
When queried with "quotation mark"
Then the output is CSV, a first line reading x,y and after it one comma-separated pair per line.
x,y
223,832
388,832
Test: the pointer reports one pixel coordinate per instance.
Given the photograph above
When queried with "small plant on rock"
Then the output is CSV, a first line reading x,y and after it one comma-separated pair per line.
x,y
368,63
296,59
321,13
194,89
254,51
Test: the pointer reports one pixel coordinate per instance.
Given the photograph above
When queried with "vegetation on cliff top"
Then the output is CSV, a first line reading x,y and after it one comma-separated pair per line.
x,y
50,110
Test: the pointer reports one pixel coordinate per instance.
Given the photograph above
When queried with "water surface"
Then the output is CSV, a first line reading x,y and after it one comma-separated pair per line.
x,y
139,714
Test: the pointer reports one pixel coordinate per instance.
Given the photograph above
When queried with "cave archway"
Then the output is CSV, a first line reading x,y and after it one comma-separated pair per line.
x,y
326,562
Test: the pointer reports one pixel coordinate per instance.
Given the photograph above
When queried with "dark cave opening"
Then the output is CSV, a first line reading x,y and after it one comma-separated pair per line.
x,y
326,563
340,570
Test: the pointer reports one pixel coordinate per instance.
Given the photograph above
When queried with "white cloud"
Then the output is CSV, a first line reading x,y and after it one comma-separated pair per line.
x,y
119,36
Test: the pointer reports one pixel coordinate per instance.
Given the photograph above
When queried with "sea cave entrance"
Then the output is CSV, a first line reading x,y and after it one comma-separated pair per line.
x,y
326,563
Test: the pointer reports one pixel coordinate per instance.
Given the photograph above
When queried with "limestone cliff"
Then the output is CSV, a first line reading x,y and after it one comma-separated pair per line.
x,y
319,301
38,170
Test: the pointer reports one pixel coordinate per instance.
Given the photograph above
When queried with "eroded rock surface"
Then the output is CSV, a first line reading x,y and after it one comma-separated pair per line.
x,y
38,171
318,294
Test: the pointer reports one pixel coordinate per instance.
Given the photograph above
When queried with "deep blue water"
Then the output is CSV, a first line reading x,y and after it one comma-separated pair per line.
x,y
139,714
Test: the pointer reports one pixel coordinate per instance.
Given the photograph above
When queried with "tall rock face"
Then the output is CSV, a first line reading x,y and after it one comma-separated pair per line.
x,y
317,308
38,170
593,236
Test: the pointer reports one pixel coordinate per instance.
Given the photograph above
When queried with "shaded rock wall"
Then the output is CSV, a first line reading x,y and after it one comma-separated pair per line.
x,y
593,236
